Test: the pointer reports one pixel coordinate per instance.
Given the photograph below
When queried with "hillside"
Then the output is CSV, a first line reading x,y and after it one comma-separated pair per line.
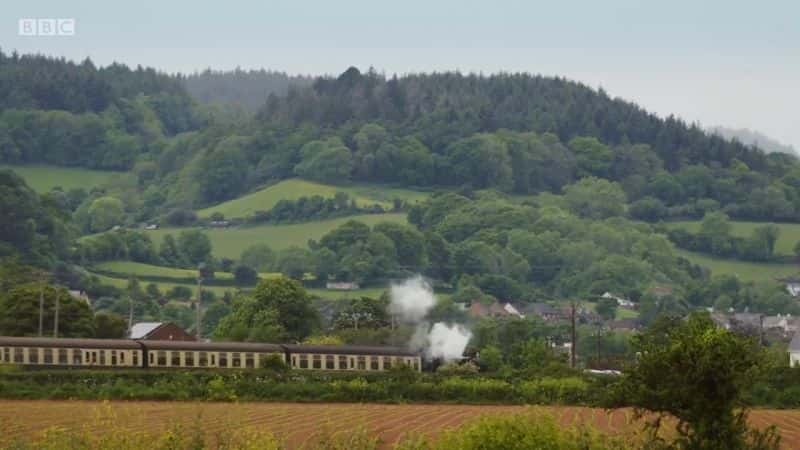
x,y
295,188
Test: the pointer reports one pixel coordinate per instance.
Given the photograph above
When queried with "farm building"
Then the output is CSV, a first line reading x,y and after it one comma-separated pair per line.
x,y
159,331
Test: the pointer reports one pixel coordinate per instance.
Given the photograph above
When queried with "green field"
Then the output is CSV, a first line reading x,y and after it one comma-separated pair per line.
x,y
292,189
44,178
790,232
130,268
746,271
122,283
230,242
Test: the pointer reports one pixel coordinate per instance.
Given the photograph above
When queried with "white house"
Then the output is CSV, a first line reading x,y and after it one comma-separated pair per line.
x,y
794,351
621,302
792,285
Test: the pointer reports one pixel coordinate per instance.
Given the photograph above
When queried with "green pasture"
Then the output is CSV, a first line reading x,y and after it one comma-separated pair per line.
x,y
744,270
44,178
230,242
292,189
789,236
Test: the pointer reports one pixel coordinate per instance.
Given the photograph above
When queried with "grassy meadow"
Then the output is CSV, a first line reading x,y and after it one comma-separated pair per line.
x,y
131,268
790,232
44,178
744,270
292,189
121,282
231,242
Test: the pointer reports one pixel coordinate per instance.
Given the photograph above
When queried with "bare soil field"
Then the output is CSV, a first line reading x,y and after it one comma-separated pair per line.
x,y
295,423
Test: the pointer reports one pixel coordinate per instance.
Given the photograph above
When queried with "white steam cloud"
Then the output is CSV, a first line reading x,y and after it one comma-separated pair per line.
x,y
411,301
447,342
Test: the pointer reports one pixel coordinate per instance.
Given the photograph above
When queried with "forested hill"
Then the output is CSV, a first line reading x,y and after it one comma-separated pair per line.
x,y
247,89
60,112
516,133
442,107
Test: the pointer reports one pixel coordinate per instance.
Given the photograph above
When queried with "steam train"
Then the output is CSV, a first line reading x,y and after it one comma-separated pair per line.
x,y
134,353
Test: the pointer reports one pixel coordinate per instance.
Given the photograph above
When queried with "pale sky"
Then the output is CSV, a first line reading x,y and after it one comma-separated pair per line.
x,y
734,63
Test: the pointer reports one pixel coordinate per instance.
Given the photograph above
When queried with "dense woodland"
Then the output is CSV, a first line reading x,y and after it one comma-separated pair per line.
x,y
542,188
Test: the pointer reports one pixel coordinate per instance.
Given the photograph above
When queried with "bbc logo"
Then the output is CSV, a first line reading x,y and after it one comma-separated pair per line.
x,y
47,27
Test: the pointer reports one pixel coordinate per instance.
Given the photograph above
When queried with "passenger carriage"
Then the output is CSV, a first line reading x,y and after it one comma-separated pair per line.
x,y
195,355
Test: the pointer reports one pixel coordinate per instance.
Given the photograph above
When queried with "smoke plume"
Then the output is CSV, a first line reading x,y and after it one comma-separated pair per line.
x,y
411,301
447,342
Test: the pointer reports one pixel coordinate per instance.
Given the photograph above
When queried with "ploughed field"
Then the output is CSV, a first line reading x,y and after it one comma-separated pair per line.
x,y
296,423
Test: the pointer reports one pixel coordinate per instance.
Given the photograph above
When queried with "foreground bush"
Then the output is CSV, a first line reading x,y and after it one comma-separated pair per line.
x,y
531,431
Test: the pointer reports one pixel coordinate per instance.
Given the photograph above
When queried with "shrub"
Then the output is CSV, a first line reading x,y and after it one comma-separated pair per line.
x,y
531,430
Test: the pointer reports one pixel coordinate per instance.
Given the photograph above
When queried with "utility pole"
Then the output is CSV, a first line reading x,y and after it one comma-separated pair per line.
x,y
574,347
130,315
599,331
55,319
197,309
41,304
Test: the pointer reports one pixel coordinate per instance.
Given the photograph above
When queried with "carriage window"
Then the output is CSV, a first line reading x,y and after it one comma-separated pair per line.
x,y
202,359
176,358
162,358
122,357
236,359
373,362
18,355
33,355
102,357
2,354
343,362
249,360
387,363
304,361
77,357
317,361
213,358
294,361
362,363
329,362
223,359
113,357
135,355
48,356
189,358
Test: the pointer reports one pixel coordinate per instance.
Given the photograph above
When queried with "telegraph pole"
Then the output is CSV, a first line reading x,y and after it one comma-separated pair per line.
x,y
130,315
55,319
197,309
41,304
574,347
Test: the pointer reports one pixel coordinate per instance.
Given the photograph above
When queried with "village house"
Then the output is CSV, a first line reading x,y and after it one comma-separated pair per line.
x,y
496,309
341,285
80,295
792,285
794,351
159,331
621,302
545,311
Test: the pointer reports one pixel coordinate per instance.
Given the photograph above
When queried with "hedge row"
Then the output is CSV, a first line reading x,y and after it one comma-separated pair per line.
x,y
310,387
